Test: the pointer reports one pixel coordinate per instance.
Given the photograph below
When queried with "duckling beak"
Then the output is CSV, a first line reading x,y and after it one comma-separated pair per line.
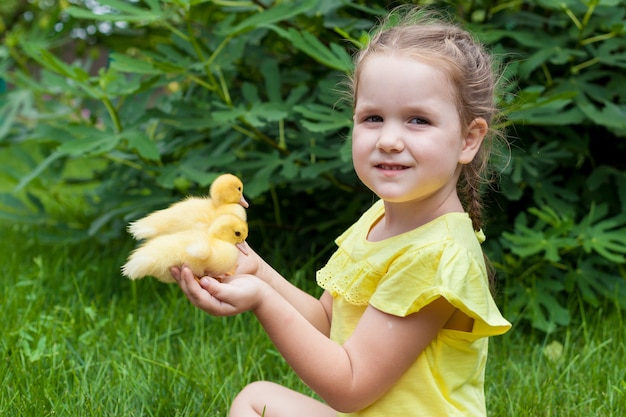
x,y
243,247
243,202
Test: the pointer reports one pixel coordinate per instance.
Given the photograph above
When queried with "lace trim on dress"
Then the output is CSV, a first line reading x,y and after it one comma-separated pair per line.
x,y
354,282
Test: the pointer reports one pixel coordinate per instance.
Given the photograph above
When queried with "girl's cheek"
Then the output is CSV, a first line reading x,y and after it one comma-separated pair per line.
x,y
357,142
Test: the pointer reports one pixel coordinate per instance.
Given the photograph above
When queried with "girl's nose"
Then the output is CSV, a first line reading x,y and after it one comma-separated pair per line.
x,y
390,139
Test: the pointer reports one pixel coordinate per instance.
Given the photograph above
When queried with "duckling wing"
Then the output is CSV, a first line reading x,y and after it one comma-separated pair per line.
x,y
179,216
222,260
156,256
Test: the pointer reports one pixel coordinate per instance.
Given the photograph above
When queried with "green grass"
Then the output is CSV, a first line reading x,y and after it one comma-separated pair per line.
x,y
580,371
80,340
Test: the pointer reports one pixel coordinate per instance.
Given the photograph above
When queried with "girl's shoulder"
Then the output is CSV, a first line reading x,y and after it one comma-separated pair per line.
x,y
451,228
402,274
359,266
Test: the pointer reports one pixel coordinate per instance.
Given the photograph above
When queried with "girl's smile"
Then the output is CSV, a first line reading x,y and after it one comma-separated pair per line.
x,y
390,166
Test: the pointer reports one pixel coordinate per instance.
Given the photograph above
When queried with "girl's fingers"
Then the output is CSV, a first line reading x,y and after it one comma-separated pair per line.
x,y
175,271
201,293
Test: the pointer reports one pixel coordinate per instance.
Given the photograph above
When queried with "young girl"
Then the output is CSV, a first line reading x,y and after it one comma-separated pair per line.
x,y
402,327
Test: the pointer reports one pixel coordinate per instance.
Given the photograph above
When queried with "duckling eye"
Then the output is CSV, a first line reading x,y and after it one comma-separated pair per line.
x,y
238,188
237,233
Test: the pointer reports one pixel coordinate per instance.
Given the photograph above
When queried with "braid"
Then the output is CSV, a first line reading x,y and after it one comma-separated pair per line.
x,y
469,189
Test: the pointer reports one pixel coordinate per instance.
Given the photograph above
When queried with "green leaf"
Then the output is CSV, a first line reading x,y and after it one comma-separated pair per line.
x,y
335,57
102,220
261,113
16,102
228,116
607,237
170,59
526,241
126,63
250,93
548,314
320,118
271,74
197,175
528,38
147,148
551,110
317,169
26,179
610,115
262,180
290,167
50,61
128,13
550,216
594,283
124,6
282,11
98,143
611,52
12,202
115,84
47,59
36,201
296,95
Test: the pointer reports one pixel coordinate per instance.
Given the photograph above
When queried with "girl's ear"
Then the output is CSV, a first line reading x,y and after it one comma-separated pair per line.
x,y
476,132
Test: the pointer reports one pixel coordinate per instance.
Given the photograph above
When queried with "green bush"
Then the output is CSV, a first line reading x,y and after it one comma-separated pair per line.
x,y
563,194
117,110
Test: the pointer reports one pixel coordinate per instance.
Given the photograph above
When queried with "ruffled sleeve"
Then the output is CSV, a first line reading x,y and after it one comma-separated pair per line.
x,y
405,273
448,271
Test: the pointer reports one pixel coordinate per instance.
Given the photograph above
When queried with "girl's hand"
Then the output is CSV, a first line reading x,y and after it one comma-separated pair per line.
x,y
235,294
251,263
248,263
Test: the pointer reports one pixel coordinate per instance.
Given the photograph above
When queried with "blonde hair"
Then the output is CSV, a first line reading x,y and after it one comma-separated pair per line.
x,y
432,39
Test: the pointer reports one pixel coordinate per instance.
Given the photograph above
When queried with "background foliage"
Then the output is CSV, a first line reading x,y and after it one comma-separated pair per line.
x,y
115,108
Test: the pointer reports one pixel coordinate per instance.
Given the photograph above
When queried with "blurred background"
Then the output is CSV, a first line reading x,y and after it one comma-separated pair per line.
x,y
110,109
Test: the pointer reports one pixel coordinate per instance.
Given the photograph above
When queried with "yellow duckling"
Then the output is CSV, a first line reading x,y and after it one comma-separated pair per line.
x,y
225,196
213,251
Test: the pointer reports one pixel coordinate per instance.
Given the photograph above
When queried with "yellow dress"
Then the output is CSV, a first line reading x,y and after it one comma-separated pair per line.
x,y
401,275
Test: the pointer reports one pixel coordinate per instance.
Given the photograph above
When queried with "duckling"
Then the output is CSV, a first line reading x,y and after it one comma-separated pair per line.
x,y
225,196
213,251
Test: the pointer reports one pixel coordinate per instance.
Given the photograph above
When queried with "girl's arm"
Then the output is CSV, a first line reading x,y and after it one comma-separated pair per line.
x,y
348,377
317,312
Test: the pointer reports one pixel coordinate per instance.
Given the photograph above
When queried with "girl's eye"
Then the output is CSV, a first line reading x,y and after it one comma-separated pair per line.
x,y
373,119
418,121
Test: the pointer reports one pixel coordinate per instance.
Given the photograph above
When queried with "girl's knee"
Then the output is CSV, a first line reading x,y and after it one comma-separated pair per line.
x,y
252,399
272,400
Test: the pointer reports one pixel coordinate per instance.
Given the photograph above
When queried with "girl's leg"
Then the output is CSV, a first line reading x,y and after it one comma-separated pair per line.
x,y
273,400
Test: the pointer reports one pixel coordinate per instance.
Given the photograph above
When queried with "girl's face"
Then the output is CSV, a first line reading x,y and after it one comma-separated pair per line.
x,y
407,141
